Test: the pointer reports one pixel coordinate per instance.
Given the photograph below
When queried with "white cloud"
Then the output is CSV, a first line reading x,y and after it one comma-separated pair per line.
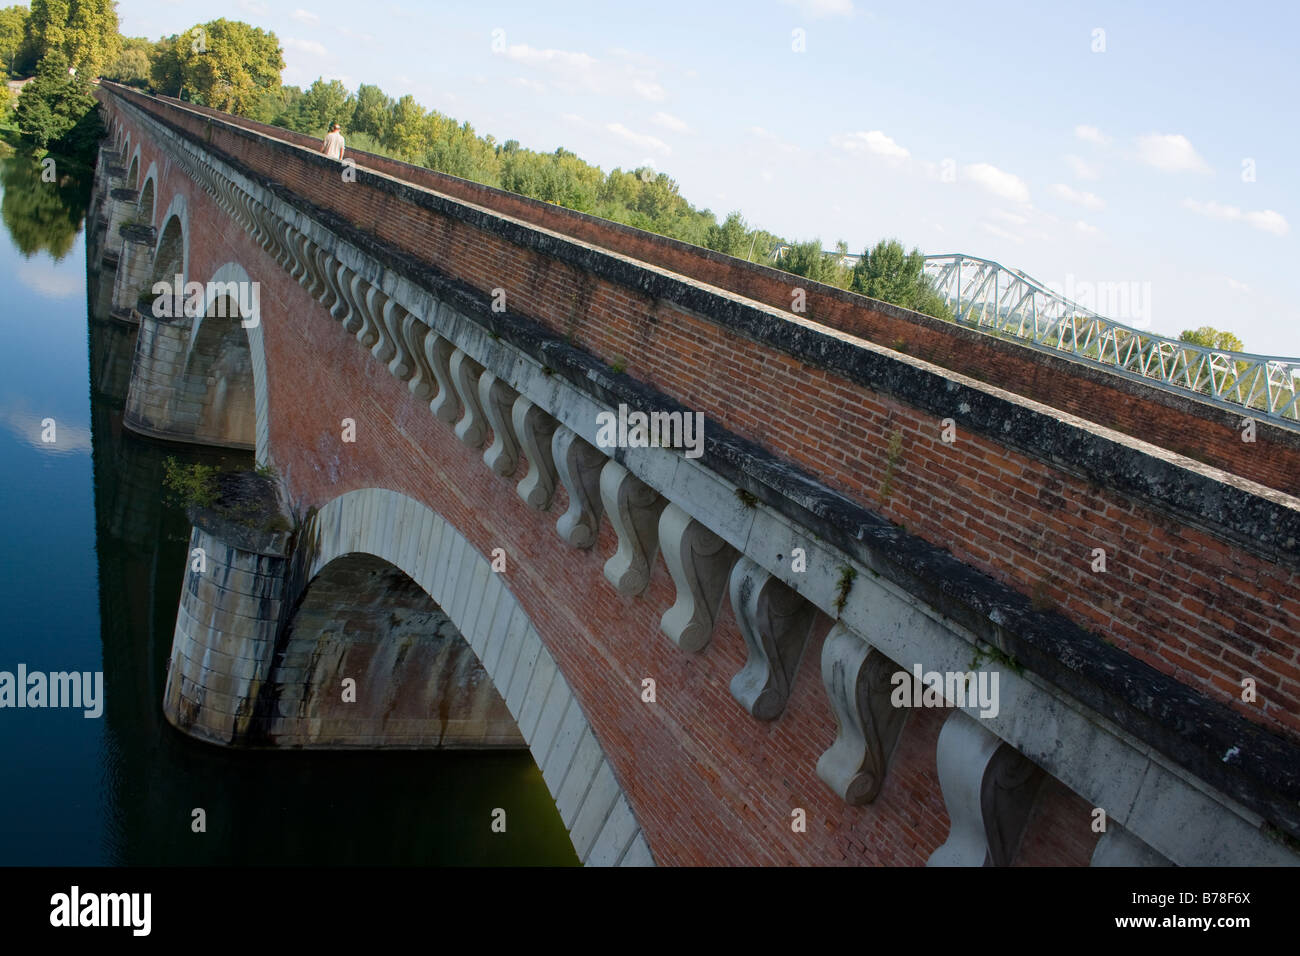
x,y
351,34
1236,286
1081,167
775,141
871,141
305,16
649,90
48,280
559,61
1010,217
822,8
668,121
997,181
1000,232
310,47
643,140
574,71
1171,152
528,84
28,427
1265,220
1078,197
1090,134
1085,228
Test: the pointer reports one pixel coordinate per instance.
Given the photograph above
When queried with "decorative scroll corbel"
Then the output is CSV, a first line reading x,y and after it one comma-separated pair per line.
x,y
579,467
699,562
775,621
858,683
633,508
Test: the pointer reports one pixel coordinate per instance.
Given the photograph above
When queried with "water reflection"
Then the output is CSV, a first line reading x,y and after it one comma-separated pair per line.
x,y
44,204
87,575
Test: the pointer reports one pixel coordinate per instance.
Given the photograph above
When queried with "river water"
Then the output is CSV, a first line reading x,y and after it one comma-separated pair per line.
x,y
91,562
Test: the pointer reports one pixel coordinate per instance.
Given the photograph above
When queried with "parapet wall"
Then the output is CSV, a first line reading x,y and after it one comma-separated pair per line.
x,y
1201,431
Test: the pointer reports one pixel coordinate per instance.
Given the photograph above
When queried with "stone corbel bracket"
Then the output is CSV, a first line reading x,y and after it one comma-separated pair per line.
x,y
857,678
775,621
989,788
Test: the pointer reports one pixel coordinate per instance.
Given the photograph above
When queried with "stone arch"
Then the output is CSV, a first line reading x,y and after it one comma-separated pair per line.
x,y
173,246
428,549
133,170
219,289
148,196
216,391
417,682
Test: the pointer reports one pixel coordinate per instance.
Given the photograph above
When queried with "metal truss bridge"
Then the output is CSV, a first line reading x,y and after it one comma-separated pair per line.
x,y
987,295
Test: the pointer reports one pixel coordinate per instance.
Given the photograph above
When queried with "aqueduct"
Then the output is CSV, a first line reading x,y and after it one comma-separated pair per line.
x,y
424,373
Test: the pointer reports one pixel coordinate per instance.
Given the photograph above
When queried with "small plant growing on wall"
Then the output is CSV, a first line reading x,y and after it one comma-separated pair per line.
x,y
192,484
847,575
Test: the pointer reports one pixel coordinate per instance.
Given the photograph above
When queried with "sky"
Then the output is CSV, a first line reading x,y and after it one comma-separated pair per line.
x,y
1095,146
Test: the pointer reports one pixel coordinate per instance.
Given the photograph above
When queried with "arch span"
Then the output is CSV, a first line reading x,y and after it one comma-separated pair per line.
x,y
241,292
145,205
415,680
173,246
415,539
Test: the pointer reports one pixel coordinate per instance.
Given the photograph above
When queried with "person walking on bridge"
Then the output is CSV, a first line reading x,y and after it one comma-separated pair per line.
x,y
333,147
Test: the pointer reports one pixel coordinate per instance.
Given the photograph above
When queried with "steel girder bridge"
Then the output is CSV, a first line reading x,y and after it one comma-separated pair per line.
x,y
988,296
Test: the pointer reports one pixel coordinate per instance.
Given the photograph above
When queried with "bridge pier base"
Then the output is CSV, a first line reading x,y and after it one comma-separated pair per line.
x,y
229,615
131,281
359,656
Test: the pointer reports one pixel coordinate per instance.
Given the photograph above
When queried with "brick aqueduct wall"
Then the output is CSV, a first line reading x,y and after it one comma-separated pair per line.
x,y
1201,530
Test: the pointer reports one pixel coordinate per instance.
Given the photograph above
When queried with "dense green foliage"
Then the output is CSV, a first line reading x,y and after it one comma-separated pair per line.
x,y
56,110
77,34
1212,338
225,64
17,51
133,64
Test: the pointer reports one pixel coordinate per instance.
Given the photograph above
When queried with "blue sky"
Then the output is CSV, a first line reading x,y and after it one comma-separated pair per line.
x,y
1161,152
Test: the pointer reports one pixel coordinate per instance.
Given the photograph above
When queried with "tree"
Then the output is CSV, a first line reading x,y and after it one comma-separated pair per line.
x,y
225,64
13,36
808,260
371,113
275,105
79,34
407,133
1212,338
322,104
889,274
55,106
731,238
133,65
